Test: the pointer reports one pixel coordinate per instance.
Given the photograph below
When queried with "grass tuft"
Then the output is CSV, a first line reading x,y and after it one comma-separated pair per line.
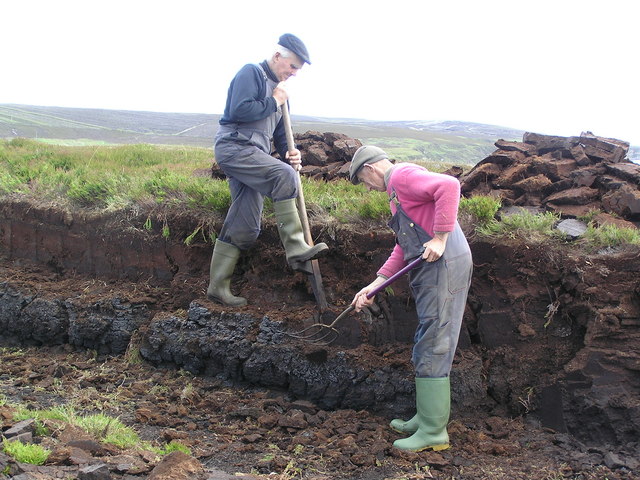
x,y
26,452
109,430
482,208
526,225
176,446
610,236
104,428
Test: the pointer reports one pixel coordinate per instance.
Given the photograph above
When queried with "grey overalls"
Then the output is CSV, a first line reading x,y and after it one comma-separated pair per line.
x,y
440,291
242,151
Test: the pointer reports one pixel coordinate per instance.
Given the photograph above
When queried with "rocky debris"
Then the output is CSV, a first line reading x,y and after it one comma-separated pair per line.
x,y
89,460
178,466
76,454
572,228
94,472
572,176
255,433
21,431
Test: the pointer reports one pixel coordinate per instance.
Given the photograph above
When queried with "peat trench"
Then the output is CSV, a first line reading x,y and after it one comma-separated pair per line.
x,y
551,334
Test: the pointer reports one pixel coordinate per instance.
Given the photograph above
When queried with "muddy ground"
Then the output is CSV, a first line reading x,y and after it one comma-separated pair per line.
x,y
243,429
99,312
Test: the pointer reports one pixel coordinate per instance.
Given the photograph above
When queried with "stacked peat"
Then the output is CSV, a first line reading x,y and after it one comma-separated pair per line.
x,y
572,176
326,156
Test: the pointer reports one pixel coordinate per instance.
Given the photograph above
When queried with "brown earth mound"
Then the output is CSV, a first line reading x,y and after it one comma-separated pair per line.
x,y
545,383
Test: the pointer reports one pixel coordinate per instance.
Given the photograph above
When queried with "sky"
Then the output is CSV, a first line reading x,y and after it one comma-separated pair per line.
x,y
557,67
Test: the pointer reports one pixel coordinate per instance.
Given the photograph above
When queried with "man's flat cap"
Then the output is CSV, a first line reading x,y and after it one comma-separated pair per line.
x,y
294,44
365,154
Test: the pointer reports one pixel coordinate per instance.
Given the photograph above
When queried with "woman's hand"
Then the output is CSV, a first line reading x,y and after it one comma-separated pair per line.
x,y
434,248
361,300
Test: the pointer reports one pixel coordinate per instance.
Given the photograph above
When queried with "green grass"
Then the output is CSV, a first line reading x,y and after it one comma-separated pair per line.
x,y
77,142
611,236
175,446
482,208
110,177
344,201
607,236
104,428
525,225
26,452
120,177
540,226
109,430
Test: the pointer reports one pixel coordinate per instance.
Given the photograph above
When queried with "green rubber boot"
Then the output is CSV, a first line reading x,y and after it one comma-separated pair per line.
x,y
405,426
433,402
223,261
292,236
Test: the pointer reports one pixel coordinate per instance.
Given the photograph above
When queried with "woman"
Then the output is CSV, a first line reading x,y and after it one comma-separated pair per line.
x,y
425,208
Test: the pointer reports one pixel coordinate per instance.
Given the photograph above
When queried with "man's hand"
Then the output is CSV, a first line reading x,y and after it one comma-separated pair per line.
x,y
280,93
294,157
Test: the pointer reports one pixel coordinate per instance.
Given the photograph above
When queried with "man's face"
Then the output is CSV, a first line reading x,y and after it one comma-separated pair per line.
x,y
284,68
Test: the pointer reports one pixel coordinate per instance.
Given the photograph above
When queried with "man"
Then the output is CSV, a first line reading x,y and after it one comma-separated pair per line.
x,y
425,208
252,119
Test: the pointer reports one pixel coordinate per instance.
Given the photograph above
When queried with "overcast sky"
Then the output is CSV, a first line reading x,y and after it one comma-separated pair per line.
x,y
557,67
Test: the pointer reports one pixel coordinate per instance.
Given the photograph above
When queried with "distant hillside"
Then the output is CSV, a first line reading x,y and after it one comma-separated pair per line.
x,y
107,126
448,142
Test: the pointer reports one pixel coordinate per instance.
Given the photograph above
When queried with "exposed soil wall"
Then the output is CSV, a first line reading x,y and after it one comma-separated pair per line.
x,y
547,332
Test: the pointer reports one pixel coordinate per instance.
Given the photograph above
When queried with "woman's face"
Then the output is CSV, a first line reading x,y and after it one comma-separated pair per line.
x,y
370,178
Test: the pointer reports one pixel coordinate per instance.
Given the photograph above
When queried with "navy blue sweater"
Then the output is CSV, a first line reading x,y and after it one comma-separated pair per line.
x,y
246,102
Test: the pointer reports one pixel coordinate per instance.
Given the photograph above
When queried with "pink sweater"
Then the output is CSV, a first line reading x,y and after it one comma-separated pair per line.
x,y
429,199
